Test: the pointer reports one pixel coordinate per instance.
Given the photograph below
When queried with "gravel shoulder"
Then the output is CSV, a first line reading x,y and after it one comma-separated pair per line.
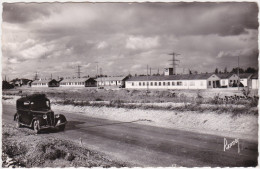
x,y
22,148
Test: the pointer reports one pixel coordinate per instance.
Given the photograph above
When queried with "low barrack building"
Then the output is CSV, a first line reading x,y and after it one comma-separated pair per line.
x,y
228,79
78,82
245,79
187,81
111,81
40,83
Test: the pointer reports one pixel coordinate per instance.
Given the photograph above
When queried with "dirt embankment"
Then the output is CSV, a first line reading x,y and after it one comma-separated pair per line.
x,y
22,148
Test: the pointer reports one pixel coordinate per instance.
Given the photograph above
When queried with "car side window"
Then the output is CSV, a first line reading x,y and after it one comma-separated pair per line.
x,y
26,104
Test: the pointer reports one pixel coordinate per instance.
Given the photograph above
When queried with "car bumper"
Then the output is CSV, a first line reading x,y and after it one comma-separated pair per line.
x,y
53,127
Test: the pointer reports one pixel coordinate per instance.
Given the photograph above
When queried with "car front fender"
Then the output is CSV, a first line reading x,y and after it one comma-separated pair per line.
x,y
61,120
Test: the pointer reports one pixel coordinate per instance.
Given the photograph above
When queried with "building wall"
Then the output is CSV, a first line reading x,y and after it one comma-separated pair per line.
x,y
233,79
91,83
110,83
39,84
244,81
228,82
172,84
255,84
224,82
72,84
213,81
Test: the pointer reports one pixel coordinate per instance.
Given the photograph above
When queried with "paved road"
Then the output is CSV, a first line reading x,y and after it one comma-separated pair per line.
x,y
147,146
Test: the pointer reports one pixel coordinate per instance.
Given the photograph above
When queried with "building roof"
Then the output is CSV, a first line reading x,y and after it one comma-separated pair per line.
x,y
118,78
75,80
225,75
41,81
245,75
171,77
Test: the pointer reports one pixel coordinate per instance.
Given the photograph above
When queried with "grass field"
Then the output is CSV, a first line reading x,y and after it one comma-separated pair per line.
x,y
191,100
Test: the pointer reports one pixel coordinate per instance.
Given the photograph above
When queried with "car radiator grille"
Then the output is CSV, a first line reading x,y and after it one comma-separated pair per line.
x,y
50,119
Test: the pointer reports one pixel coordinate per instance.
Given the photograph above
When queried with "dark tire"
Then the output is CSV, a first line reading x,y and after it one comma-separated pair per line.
x,y
62,128
18,124
36,126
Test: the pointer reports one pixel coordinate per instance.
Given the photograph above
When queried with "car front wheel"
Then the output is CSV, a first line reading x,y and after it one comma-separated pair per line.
x,y
36,126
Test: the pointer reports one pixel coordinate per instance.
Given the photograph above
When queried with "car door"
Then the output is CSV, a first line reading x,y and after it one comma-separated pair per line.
x,y
23,113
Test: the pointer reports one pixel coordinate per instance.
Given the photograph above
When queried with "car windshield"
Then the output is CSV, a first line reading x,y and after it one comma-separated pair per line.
x,y
40,105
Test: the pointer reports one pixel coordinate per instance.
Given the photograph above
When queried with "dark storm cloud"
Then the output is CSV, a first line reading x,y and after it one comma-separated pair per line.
x,y
162,18
197,18
21,12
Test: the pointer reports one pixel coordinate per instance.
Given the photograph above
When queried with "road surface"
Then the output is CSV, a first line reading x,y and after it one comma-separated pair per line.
x,y
147,146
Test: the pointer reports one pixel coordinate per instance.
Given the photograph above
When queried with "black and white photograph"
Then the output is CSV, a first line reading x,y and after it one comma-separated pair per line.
x,y
129,84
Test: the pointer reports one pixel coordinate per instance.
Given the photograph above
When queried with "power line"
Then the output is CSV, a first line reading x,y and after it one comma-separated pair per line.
x,y
36,76
174,60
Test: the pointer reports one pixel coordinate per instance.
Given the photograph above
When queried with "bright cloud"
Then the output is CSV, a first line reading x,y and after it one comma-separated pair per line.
x,y
134,42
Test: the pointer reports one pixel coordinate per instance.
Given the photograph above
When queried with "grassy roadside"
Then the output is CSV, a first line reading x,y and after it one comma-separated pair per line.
x,y
198,107
195,100
30,150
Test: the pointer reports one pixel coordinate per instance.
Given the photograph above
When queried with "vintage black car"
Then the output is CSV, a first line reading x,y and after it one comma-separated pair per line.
x,y
35,111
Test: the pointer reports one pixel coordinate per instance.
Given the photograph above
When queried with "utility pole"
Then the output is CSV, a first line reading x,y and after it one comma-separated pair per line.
x,y
78,72
36,76
147,83
238,72
100,71
174,60
97,73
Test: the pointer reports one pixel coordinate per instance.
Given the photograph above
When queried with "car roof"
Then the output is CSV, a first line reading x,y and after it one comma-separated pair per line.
x,y
33,97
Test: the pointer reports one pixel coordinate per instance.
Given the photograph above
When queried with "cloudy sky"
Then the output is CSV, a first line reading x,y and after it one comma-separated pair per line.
x,y
53,38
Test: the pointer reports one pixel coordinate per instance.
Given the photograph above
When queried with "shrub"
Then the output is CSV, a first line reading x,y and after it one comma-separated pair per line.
x,y
246,92
99,99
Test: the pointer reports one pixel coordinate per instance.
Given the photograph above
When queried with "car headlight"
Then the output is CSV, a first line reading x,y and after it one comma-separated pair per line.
x,y
57,116
44,116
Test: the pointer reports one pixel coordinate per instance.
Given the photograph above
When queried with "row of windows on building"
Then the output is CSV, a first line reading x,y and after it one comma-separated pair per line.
x,y
73,83
178,83
109,82
230,81
39,84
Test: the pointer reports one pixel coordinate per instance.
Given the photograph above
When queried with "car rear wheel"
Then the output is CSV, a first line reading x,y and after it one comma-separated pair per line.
x,y
18,125
62,128
36,126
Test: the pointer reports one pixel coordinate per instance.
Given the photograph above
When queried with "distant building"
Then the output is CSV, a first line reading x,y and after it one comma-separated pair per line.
x,y
187,81
245,79
168,71
228,79
54,83
40,83
111,81
254,81
78,82
29,83
19,82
